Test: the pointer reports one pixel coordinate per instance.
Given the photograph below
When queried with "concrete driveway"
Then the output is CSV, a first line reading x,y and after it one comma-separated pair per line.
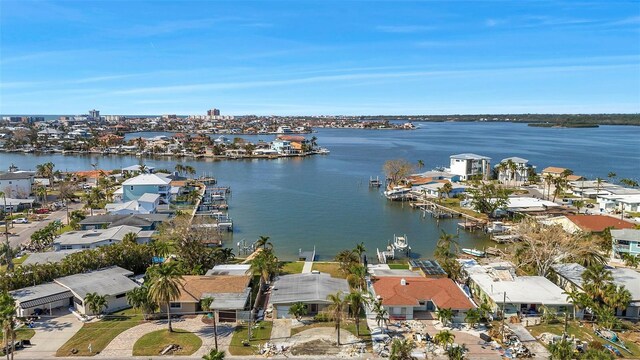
x,y
281,329
50,335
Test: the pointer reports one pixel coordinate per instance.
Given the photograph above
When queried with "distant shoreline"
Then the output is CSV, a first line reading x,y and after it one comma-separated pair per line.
x,y
564,126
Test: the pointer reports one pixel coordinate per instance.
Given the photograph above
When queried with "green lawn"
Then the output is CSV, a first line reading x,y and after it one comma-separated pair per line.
x,y
99,334
24,333
64,229
331,268
584,333
291,267
454,204
258,337
20,260
153,343
399,266
350,326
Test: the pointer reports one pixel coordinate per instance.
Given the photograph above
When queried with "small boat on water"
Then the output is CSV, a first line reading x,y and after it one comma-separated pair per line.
x,y
474,252
611,337
323,151
397,193
400,243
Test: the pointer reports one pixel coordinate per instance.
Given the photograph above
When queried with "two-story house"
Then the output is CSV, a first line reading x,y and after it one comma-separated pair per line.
x,y
514,169
135,188
469,166
16,185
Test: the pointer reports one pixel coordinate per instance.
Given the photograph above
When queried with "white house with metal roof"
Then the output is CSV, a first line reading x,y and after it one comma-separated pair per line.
x,y
469,165
90,239
17,185
134,188
311,289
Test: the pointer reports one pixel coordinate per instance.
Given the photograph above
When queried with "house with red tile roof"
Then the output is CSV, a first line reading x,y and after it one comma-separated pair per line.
x,y
598,223
412,297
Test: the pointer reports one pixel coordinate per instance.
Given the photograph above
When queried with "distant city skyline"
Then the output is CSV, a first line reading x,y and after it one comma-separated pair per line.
x,y
319,57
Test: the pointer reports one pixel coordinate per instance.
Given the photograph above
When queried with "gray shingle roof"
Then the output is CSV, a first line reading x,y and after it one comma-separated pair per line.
x,y
109,281
306,288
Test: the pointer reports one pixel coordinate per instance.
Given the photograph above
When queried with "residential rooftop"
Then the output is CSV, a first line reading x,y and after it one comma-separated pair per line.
x,y
147,179
109,281
97,235
598,223
469,156
195,286
306,287
398,291
621,276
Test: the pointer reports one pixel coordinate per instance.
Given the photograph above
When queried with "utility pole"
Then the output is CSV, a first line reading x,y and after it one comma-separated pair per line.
x,y
504,303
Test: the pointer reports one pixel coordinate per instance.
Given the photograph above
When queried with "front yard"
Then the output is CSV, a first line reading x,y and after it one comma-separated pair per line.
x,y
24,333
260,334
155,342
350,326
99,334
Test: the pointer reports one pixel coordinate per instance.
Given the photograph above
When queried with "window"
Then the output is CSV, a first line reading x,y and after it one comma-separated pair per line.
x,y
131,188
86,246
66,247
176,305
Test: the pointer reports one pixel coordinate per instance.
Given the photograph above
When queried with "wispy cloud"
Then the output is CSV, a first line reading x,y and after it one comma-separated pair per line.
x,y
404,29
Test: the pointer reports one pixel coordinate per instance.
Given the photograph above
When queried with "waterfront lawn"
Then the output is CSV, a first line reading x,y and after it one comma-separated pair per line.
x,y
24,333
454,204
291,267
259,335
399,266
99,334
153,343
331,268
584,333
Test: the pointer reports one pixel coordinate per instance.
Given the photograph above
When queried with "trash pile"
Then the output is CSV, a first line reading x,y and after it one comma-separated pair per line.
x,y
270,349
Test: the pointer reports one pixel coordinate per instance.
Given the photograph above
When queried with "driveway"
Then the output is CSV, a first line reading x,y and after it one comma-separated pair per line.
x,y
50,335
281,329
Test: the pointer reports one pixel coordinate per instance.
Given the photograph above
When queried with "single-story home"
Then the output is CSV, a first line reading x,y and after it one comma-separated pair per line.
x,y
311,289
569,277
589,223
47,257
230,269
90,239
70,291
497,283
230,293
143,221
405,299
626,241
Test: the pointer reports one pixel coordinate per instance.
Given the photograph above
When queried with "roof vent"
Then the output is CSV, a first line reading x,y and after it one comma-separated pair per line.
x,y
315,272
403,282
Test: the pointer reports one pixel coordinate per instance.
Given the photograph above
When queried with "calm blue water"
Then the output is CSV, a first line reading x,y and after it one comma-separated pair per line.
x,y
325,200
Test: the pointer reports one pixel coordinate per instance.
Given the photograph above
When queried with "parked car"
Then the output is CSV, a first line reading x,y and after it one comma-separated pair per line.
x,y
42,211
20,221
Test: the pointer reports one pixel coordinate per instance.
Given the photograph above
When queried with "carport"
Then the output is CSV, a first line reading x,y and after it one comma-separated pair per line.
x,y
45,296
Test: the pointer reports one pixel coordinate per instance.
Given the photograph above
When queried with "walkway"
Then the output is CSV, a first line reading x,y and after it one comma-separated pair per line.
x,y
122,345
50,335
307,267
281,329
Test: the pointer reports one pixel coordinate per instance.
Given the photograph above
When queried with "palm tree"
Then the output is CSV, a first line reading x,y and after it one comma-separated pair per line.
x,y
335,308
561,350
548,179
356,301
382,315
7,320
95,302
578,204
611,175
401,349
444,315
179,169
205,304
618,297
444,338
420,164
130,238
166,282
265,264
359,250
472,317
357,277
138,298
595,278
447,188
214,355
347,258
263,241
190,170
598,185
578,300
457,352
9,257
298,310
629,182
631,260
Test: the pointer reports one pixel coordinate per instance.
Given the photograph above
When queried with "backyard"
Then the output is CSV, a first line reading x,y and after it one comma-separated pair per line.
x,y
291,267
331,268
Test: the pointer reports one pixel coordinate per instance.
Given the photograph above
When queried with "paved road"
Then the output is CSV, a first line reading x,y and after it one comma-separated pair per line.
x,y
23,232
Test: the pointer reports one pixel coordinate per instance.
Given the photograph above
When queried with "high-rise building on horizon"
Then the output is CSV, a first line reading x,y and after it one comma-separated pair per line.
x,y
94,114
213,112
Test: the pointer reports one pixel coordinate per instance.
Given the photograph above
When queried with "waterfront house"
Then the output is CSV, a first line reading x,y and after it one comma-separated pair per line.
x,y
283,147
569,277
498,285
414,297
17,185
143,221
518,172
433,189
625,241
134,188
469,166
230,295
70,291
90,239
311,289
589,223
137,169
146,204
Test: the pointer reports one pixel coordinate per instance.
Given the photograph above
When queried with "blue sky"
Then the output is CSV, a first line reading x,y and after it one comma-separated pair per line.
x,y
319,57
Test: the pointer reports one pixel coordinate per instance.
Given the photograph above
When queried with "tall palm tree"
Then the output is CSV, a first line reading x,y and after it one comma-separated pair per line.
x,y
166,282
8,254
595,278
357,301
205,304
401,349
336,309
357,277
420,164
561,350
179,169
7,321
360,250
263,241
346,259
548,179
382,315
472,317
457,352
598,185
190,170
444,338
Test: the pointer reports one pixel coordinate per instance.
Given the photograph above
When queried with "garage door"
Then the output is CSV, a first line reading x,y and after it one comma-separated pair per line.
x,y
283,312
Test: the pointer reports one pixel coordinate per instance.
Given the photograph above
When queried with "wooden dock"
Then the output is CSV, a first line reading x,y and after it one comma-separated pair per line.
x,y
438,210
307,255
